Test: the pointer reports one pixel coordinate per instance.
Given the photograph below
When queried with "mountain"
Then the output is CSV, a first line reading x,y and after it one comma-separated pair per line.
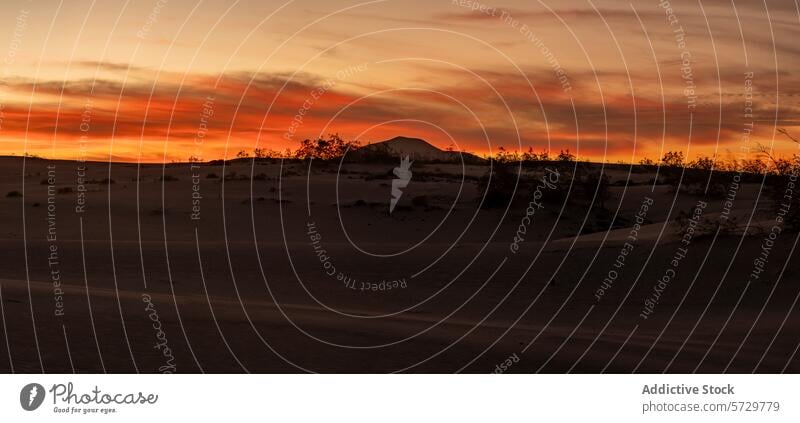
x,y
415,148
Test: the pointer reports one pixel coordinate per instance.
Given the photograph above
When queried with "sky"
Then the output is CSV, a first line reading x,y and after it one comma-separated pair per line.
x,y
158,81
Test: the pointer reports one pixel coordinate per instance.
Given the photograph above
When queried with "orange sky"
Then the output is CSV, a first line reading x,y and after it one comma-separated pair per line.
x,y
140,80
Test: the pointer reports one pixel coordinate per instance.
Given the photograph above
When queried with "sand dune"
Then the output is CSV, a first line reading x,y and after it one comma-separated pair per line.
x,y
290,268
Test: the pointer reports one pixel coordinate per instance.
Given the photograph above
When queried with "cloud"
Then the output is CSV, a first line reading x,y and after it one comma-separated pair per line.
x,y
597,118
501,14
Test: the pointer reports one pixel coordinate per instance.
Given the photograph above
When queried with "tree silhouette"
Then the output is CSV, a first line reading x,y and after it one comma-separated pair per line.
x,y
673,159
324,149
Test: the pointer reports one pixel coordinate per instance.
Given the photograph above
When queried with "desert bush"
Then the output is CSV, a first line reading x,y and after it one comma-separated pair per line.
x,y
755,166
505,156
780,165
266,153
565,156
673,159
703,163
324,149
785,167
531,156
13,194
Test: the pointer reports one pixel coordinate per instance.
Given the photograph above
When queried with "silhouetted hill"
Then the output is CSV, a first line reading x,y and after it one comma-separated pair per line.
x,y
416,148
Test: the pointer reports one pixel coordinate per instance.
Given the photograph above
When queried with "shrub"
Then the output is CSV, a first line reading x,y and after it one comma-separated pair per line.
x,y
755,166
703,163
673,159
566,156
505,156
324,149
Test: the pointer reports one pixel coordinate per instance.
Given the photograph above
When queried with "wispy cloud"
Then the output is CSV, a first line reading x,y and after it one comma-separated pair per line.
x,y
599,118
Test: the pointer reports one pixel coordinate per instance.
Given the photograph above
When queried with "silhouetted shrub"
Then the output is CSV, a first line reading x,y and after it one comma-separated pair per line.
x,y
672,159
324,149
566,156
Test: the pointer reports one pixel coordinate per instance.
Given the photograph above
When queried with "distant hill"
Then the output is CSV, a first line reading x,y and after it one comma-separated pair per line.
x,y
415,148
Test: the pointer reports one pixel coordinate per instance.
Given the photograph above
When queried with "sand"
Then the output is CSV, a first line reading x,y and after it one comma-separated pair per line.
x,y
286,270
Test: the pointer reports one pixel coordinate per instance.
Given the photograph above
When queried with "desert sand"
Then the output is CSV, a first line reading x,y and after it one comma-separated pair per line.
x,y
298,266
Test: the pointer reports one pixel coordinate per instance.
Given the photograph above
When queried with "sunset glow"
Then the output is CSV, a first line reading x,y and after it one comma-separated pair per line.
x,y
610,81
